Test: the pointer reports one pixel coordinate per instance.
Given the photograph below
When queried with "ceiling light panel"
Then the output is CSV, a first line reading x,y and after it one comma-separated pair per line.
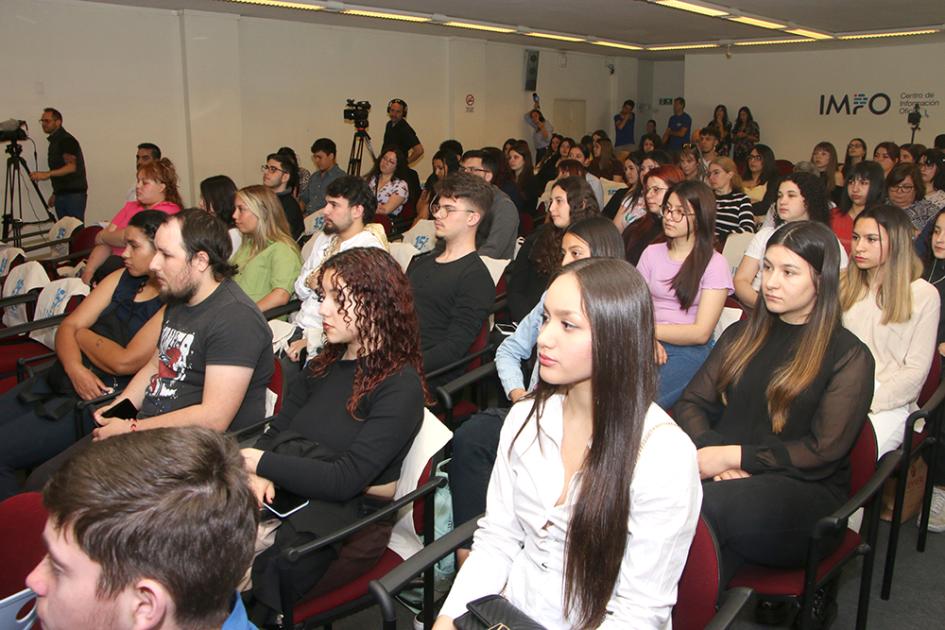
x,y
803,32
560,38
692,7
682,47
479,27
282,4
750,21
771,42
617,45
890,34
400,17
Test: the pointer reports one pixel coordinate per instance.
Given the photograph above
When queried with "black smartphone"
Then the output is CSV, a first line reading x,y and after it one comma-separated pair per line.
x,y
125,410
285,503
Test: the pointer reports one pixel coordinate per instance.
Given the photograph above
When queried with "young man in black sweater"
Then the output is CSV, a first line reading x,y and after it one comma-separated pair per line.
x,y
452,288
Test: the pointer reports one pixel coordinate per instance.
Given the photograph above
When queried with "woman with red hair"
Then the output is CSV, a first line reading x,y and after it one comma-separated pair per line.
x,y
345,427
640,233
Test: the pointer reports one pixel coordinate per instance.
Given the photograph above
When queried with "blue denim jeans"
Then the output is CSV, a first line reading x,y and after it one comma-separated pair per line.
x,y
682,364
71,205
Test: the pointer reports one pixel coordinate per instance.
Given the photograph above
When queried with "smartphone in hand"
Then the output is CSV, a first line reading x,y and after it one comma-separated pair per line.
x,y
125,410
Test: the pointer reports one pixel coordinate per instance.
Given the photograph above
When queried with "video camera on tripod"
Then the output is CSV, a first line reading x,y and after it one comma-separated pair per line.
x,y
357,112
12,131
16,186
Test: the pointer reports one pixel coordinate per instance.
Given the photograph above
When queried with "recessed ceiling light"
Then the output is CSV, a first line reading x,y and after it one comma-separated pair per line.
x,y
617,45
479,27
750,21
683,47
400,17
693,8
890,34
562,38
767,42
803,32
282,4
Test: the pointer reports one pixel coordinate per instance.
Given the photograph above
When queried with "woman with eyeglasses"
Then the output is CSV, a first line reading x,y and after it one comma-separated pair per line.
x,y
689,282
856,153
629,199
268,259
648,229
888,305
907,192
734,211
761,185
388,180
932,169
864,187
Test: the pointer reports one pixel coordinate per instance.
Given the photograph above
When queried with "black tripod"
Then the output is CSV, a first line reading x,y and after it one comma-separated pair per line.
x,y
357,151
13,195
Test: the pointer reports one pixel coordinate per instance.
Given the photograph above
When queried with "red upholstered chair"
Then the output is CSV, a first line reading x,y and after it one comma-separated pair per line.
x,y
913,444
449,408
700,585
785,167
22,519
347,599
866,481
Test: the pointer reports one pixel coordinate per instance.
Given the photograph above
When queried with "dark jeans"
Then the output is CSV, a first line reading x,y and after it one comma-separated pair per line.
x,y
26,438
71,205
766,519
475,443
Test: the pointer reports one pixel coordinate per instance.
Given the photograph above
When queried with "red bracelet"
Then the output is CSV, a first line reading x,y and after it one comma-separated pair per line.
x,y
134,425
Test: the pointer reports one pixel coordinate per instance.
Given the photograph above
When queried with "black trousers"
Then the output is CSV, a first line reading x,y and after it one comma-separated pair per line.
x,y
475,443
766,519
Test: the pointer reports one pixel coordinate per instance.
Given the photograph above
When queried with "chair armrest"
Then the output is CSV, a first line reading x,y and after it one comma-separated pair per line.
x,y
248,431
835,521
76,255
501,303
446,369
28,327
733,601
444,393
294,553
402,574
285,309
23,368
24,298
45,244
104,398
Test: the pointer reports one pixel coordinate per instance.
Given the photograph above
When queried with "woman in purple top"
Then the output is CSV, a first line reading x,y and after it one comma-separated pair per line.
x,y
689,282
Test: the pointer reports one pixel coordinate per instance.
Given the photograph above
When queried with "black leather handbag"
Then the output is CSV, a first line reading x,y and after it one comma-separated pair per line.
x,y
494,612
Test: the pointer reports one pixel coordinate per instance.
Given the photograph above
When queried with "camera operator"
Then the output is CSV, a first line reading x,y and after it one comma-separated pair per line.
x,y
399,132
66,168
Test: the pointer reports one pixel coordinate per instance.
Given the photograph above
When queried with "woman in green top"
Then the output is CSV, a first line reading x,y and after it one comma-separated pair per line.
x,y
268,258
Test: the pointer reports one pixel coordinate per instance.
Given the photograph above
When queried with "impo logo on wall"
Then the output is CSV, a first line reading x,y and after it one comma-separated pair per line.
x,y
878,104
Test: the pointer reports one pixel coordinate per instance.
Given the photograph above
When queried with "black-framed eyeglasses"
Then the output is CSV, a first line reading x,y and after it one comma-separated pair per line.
x,y
675,214
472,169
267,168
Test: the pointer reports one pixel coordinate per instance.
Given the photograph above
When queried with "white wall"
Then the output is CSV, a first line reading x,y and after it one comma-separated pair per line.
x,y
783,90
218,92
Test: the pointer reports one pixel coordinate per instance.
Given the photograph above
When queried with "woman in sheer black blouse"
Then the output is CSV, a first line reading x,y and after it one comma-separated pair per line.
x,y
777,406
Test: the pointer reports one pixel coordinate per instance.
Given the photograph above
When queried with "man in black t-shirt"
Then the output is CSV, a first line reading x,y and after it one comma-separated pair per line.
x,y
281,175
214,356
400,134
66,168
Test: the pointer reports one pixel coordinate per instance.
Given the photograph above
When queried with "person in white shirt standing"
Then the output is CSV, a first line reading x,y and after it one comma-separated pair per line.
x,y
584,458
349,208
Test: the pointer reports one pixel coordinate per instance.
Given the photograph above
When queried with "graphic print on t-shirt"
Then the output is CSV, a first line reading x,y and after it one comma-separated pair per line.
x,y
173,363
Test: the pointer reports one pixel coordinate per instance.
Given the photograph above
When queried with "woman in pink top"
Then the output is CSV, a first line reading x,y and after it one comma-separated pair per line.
x,y
689,282
156,189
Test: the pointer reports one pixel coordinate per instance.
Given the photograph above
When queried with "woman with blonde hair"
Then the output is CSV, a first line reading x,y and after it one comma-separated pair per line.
x,y
268,258
733,208
888,305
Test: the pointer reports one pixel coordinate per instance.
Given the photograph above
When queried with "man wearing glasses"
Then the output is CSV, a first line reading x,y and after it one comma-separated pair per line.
x,y
281,174
66,168
500,243
452,288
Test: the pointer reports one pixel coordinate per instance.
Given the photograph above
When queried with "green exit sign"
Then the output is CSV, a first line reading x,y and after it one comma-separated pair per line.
x,y
666,101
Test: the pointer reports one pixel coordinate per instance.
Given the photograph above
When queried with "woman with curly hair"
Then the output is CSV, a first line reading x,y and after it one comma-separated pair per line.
x,y
540,256
268,259
156,189
346,425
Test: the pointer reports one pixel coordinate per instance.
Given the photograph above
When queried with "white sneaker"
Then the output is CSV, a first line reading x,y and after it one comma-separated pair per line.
x,y
937,511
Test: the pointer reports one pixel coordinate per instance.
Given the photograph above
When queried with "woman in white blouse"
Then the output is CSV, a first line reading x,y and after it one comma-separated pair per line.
x,y
582,460
888,305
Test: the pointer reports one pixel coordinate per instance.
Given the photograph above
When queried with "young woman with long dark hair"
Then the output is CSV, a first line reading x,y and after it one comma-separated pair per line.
x,y
888,305
347,422
761,185
388,179
856,153
526,184
824,159
745,134
585,523
932,169
689,281
801,197
540,256
865,187
444,162
629,199
777,406
218,197
886,154
722,124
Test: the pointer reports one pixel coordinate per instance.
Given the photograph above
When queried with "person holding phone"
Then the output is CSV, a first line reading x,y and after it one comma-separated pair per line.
x,y
105,340
346,426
